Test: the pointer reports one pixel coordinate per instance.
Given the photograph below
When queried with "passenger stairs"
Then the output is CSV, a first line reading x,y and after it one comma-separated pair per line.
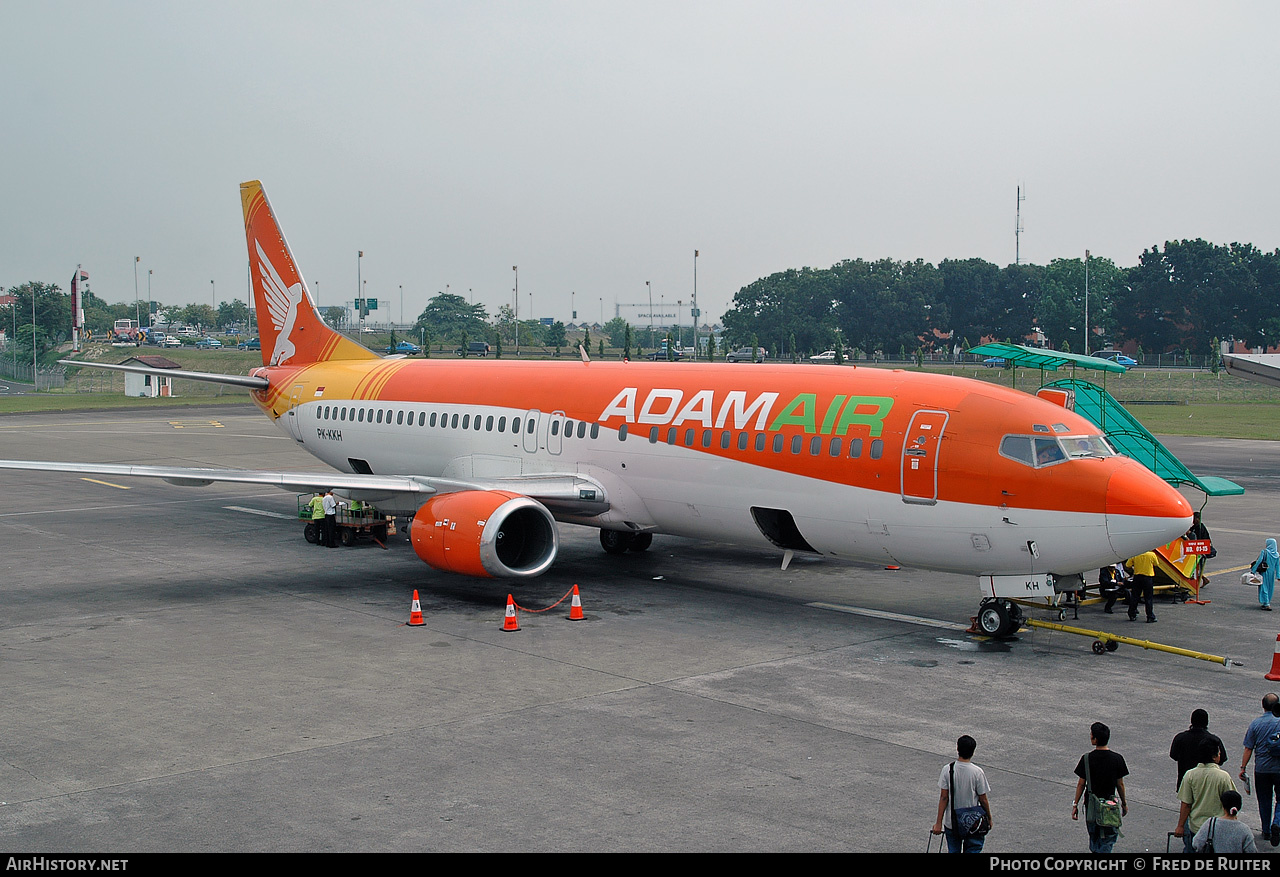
x,y
1131,438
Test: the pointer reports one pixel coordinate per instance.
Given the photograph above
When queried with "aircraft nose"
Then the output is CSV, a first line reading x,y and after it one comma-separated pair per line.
x,y
1143,511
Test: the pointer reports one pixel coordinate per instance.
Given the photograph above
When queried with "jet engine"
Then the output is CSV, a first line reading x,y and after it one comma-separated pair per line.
x,y
492,533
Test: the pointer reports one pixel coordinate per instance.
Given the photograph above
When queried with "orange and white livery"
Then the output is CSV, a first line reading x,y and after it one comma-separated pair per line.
x,y
886,466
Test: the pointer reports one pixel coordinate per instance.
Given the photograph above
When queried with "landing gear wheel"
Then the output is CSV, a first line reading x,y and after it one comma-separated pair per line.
x,y
641,541
615,541
347,537
311,533
993,619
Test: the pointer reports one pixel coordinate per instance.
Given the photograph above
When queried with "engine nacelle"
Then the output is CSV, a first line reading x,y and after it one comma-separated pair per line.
x,y
494,533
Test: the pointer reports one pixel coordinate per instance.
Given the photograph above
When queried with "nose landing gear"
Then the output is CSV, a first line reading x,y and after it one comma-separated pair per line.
x,y
998,618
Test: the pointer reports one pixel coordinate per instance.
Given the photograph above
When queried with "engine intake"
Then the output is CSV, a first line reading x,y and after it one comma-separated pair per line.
x,y
492,533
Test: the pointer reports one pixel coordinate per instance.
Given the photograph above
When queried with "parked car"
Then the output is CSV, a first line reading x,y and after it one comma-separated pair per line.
x,y
743,354
1123,360
173,341
208,344
661,355
474,348
406,348
994,362
829,356
251,344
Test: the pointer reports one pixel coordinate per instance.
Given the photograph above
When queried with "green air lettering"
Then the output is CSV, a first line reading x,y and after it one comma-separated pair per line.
x,y
790,416
832,410
868,411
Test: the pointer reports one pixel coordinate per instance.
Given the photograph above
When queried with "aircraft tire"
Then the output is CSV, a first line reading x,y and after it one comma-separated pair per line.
x,y
993,619
641,542
615,541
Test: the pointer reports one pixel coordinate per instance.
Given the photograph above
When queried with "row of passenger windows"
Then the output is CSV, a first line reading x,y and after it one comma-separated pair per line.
x,y
342,414
833,446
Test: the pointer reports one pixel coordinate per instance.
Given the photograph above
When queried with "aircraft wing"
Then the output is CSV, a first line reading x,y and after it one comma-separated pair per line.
x,y
1261,367
569,494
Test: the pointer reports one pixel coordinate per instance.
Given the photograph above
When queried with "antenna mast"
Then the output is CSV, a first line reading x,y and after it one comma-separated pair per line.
x,y
1017,228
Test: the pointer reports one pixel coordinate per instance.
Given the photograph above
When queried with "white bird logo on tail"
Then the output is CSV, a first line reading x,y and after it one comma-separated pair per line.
x,y
282,304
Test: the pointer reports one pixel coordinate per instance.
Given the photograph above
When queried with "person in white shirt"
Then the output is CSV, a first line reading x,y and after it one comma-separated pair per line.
x,y
971,788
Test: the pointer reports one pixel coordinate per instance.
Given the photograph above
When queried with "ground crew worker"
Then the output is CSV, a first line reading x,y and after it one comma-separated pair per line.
x,y
317,517
330,503
1144,581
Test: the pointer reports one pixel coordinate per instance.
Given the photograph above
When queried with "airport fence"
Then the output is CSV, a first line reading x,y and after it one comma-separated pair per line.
x,y
53,378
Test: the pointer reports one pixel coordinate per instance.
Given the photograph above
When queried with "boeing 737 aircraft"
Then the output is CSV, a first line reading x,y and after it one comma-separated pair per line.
x,y
866,464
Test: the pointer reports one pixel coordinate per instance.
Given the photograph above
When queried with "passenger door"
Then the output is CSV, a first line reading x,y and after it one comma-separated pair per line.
x,y
920,449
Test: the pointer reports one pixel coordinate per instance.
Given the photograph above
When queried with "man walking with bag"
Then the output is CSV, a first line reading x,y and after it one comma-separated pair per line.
x,y
1262,739
964,813
1101,782
1201,793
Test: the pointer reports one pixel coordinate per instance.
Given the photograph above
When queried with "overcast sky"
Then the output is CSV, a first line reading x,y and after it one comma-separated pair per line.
x,y
596,145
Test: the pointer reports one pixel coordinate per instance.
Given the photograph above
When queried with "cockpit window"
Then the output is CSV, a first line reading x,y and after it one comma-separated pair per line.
x,y
1048,451
1060,427
1040,451
1018,447
1079,446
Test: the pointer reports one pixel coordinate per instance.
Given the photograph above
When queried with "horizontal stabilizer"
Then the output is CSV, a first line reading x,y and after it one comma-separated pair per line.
x,y
253,383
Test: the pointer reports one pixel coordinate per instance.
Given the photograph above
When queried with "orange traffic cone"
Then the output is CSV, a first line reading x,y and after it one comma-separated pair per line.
x,y
1274,675
575,608
510,622
415,612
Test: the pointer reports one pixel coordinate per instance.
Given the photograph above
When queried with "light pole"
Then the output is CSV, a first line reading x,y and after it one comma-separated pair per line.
x,y
149,296
649,288
401,304
602,310
696,313
573,308
1086,303
679,307
136,313
359,287
516,269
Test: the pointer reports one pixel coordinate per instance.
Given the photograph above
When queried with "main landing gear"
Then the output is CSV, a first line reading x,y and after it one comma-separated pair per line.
x,y
999,618
620,542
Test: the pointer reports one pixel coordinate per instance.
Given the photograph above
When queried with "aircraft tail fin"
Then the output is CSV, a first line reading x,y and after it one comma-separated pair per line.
x,y
290,328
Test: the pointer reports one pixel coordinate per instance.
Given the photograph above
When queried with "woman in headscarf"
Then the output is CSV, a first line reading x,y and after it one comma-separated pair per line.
x,y
1267,564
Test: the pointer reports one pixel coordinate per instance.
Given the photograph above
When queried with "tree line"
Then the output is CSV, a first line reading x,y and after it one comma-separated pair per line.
x,y
1178,297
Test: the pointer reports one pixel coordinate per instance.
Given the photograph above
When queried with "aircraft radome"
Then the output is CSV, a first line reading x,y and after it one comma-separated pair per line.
x,y
864,464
